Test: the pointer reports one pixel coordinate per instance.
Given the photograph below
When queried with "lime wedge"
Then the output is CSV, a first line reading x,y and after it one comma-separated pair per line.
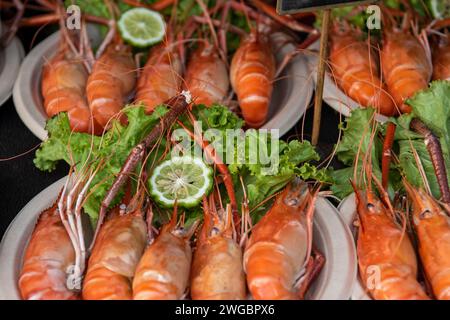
x,y
184,179
142,27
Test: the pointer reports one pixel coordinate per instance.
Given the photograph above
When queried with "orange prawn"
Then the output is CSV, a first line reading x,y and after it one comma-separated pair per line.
x,y
217,272
385,250
63,88
356,69
207,76
251,75
280,246
163,271
54,260
406,63
111,81
433,232
47,259
160,79
116,253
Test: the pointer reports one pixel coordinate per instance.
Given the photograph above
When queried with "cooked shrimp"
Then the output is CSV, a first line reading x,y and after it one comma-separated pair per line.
x,y
207,76
116,253
406,64
433,232
251,75
386,257
48,258
163,271
160,79
63,86
355,67
280,245
110,83
217,271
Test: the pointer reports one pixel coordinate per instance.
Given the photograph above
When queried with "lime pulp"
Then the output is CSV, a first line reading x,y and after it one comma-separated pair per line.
x,y
142,27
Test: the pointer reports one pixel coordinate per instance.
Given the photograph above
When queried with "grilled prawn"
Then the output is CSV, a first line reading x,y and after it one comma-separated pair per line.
x,y
386,257
280,246
116,253
433,231
47,261
160,79
217,271
163,271
251,75
110,83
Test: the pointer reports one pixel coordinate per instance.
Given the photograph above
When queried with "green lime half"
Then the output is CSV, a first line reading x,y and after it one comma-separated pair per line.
x,y
185,179
142,27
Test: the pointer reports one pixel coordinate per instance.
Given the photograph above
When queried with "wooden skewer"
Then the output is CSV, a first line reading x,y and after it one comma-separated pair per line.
x,y
320,77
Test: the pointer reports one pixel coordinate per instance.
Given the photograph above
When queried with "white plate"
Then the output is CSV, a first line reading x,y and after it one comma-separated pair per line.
x,y
332,94
10,59
331,236
347,209
290,100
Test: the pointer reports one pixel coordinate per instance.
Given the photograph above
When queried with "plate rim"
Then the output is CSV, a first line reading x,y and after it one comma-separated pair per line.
x,y
34,121
13,55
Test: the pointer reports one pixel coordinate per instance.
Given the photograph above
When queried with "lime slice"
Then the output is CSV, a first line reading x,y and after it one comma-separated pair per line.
x,y
142,27
185,179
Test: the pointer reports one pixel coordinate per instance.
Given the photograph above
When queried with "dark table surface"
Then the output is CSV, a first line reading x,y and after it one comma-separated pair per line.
x,y
20,181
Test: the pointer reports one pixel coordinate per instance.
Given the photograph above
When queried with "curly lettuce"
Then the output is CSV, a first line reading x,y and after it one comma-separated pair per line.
x,y
431,106
262,178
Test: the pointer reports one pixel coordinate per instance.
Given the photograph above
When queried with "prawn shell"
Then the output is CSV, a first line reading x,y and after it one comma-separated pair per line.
x,y
116,253
276,251
386,257
163,271
406,66
354,66
48,256
207,76
433,231
111,81
217,270
63,86
160,79
251,75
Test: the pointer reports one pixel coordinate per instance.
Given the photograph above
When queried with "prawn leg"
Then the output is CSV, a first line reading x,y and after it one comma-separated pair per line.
x,y
387,153
312,270
286,21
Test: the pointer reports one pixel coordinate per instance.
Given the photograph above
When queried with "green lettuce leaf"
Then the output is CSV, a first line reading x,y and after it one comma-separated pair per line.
x,y
267,174
432,106
288,160
360,137
77,149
